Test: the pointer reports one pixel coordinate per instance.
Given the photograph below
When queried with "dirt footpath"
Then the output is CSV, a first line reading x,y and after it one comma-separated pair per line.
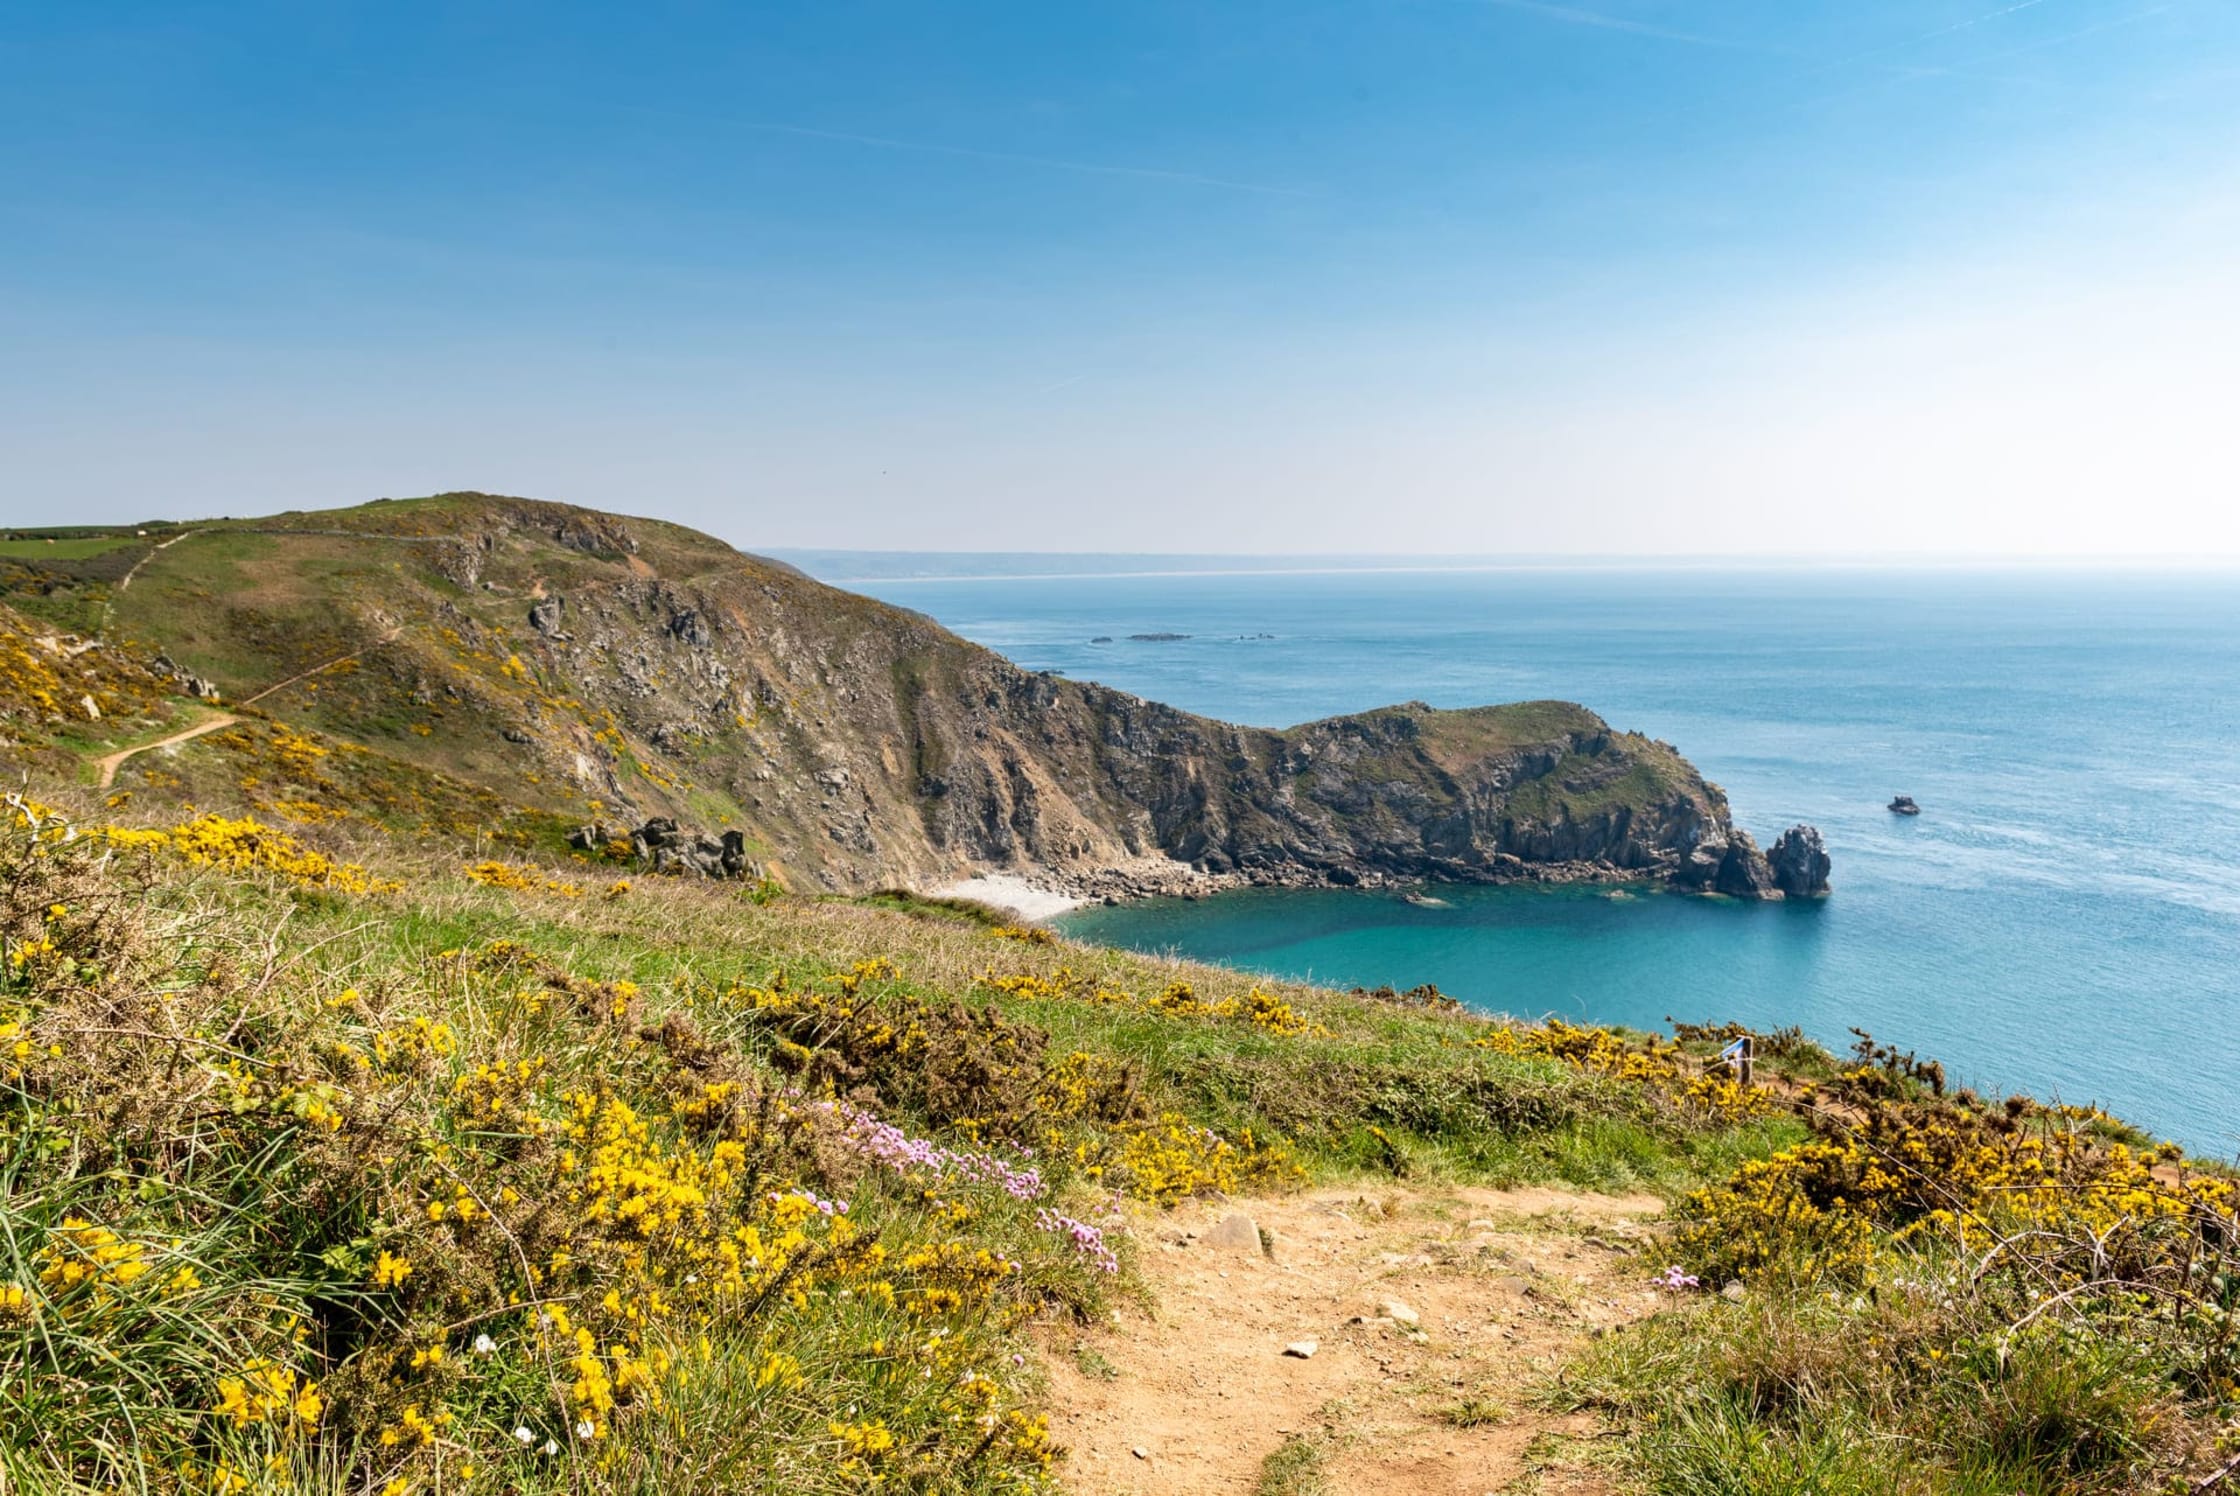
x,y
1196,1393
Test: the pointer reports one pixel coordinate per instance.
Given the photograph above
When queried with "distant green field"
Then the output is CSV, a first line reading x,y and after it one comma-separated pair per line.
x,y
63,550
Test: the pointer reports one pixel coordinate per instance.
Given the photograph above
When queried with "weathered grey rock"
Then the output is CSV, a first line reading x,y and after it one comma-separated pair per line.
x,y
1234,1233
594,534
1743,873
545,614
665,847
1399,1313
194,685
1799,860
686,626
1303,1349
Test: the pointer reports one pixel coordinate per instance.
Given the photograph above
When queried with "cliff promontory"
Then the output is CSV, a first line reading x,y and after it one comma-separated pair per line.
x,y
607,671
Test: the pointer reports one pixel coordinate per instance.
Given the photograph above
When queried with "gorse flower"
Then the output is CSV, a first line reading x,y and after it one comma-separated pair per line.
x,y
269,1394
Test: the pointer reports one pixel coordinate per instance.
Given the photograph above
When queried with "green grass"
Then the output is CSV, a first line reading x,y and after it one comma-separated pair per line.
x,y
64,550
1094,1364
1476,1412
1915,1392
1294,1469
1580,789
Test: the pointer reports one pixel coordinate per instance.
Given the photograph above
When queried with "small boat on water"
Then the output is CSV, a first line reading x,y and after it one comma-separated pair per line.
x,y
1903,805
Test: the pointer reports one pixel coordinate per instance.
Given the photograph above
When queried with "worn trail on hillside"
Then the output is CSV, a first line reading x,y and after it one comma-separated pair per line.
x,y
110,763
1505,1286
389,637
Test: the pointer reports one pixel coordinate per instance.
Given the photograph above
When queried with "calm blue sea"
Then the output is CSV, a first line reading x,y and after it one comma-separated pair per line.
x,y
2063,918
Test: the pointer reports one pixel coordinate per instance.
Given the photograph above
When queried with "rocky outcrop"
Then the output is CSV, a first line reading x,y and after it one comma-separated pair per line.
x,y
1799,862
662,846
1743,873
194,685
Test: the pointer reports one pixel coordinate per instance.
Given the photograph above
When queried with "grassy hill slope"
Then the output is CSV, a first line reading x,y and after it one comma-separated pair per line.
x,y
603,670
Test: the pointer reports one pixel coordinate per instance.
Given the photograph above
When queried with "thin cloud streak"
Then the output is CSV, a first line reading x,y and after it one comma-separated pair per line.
x,y
2070,36
1572,15
1014,158
1927,36
1576,16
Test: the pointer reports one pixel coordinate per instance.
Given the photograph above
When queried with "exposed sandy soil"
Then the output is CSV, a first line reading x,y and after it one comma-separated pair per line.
x,y
1194,1393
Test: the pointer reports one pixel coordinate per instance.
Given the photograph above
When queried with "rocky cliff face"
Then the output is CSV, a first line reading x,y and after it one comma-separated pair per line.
x,y
622,669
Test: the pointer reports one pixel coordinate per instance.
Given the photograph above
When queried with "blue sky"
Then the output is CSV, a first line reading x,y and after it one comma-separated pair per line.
x,y
1479,275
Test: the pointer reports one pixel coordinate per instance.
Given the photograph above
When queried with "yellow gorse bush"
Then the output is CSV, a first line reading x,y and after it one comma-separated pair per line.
x,y
1173,1158
244,845
1262,1009
1942,1171
1652,1063
522,879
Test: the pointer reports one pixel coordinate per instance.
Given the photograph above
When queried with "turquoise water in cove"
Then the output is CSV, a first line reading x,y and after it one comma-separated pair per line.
x,y
2063,918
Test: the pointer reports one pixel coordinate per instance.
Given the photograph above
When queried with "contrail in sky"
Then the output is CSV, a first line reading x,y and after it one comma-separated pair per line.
x,y
1053,163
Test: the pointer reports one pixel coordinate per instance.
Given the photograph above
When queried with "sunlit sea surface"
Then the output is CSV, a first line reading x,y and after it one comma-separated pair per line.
x,y
2063,918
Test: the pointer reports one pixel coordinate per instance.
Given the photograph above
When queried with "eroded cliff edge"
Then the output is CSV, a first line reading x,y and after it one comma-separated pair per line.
x,y
615,669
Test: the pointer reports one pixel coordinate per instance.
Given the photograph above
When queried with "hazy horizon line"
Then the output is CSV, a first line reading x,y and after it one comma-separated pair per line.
x,y
1219,563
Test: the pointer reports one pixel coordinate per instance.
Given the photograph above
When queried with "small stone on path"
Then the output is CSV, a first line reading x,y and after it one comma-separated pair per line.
x,y
1300,1348
1398,1312
1140,1452
1236,1233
